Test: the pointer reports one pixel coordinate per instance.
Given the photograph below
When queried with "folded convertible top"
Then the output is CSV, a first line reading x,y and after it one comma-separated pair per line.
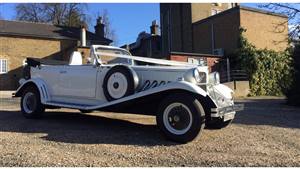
x,y
37,62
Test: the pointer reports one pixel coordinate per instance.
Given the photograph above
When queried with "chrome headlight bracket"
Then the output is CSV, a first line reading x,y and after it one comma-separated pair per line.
x,y
200,77
214,78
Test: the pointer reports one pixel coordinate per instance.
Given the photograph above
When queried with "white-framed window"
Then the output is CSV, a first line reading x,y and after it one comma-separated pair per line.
x,y
3,66
215,11
197,61
217,4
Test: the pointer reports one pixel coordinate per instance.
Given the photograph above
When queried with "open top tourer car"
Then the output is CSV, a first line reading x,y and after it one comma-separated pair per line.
x,y
184,97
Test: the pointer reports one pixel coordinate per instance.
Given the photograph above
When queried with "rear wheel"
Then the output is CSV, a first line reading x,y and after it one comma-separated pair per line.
x,y
181,117
31,105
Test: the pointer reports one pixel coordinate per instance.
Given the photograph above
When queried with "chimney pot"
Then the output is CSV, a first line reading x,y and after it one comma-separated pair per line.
x,y
99,28
154,28
99,20
154,22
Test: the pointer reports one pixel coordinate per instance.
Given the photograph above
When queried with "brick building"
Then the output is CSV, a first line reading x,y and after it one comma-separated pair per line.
x,y
214,28
19,40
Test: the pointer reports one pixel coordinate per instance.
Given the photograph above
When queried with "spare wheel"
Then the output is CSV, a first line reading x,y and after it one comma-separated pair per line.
x,y
119,82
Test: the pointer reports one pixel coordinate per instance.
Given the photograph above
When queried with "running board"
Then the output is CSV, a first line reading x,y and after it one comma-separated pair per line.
x,y
70,105
182,85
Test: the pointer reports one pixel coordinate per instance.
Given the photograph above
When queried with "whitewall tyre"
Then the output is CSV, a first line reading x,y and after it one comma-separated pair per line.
x,y
181,117
118,83
31,105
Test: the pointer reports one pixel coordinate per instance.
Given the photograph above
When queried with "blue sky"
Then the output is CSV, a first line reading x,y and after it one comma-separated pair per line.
x,y
128,19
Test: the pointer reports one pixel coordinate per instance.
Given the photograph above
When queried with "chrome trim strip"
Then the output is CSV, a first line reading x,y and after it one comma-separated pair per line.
x,y
221,111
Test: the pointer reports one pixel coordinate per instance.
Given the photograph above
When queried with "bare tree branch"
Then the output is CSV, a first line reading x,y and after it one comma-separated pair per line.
x,y
291,10
67,14
109,32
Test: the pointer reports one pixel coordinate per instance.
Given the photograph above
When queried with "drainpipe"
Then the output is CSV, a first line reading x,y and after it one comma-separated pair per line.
x,y
228,69
212,38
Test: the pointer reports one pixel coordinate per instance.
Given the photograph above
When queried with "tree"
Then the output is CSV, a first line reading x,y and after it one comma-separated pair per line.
x,y
0,11
31,12
293,94
109,32
292,10
66,14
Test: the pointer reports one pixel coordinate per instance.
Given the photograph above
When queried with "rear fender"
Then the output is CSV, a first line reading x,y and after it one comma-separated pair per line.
x,y
39,84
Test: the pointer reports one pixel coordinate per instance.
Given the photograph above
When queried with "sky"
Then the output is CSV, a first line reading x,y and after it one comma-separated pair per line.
x,y
127,19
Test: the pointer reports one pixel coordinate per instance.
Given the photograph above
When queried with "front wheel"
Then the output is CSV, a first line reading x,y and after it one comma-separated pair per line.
x,y
181,117
31,105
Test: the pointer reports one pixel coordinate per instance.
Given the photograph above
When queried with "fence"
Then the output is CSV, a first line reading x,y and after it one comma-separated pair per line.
x,y
234,75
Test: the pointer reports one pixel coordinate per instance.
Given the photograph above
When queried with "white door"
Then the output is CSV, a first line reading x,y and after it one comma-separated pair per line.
x,y
78,81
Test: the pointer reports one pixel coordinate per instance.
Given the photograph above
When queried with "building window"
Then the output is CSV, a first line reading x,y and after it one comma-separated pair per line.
x,y
217,4
197,61
215,11
3,66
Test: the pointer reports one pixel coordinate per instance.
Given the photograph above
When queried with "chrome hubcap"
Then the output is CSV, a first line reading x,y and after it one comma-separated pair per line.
x,y
29,102
177,118
117,85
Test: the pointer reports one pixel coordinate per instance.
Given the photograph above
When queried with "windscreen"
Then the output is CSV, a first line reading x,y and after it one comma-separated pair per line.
x,y
105,58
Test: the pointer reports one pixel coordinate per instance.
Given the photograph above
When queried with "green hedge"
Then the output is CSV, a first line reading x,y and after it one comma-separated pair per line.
x,y
293,94
269,71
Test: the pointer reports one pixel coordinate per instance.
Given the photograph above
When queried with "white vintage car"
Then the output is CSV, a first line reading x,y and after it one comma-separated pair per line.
x,y
183,97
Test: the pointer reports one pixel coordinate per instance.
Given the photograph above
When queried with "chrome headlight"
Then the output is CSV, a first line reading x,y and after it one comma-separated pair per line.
x,y
214,78
200,77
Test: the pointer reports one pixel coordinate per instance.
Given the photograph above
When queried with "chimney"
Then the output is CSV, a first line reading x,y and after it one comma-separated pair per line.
x,y
154,28
83,36
99,28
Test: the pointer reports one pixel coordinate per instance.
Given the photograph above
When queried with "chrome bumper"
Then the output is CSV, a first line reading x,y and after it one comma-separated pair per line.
x,y
222,111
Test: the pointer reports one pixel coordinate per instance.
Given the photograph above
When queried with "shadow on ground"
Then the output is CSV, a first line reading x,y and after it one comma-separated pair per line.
x,y
72,127
273,112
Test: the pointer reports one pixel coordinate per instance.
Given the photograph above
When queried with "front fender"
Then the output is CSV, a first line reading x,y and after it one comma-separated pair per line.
x,y
183,85
39,84
224,90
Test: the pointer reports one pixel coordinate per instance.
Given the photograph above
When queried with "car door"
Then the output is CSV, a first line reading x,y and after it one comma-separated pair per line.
x,y
78,81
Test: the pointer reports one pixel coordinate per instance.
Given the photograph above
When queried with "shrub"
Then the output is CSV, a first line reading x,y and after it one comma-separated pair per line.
x,y
269,71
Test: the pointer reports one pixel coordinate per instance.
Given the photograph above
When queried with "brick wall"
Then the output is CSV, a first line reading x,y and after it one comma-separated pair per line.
x,y
85,52
211,61
265,31
179,58
212,64
203,10
16,49
262,30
